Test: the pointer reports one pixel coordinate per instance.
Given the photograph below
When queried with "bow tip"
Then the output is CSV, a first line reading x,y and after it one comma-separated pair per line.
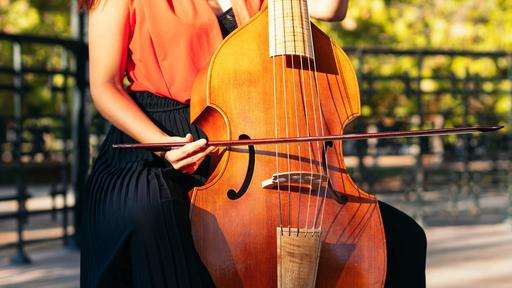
x,y
490,128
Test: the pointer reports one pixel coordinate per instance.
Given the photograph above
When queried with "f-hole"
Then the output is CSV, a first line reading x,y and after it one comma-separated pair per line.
x,y
341,199
232,193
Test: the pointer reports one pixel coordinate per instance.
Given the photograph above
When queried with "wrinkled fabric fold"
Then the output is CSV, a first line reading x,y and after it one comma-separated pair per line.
x,y
135,225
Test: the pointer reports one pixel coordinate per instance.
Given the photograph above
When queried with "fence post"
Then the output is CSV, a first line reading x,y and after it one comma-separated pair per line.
x,y
419,169
21,216
406,79
509,144
466,177
64,113
454,173
80,119
54,189
371,153
360,147
475,175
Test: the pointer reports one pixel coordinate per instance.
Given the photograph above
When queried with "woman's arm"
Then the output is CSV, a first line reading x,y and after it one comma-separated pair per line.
x,y
108,47
328,10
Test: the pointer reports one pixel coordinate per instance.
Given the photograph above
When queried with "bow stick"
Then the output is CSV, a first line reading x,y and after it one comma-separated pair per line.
x,y
359,136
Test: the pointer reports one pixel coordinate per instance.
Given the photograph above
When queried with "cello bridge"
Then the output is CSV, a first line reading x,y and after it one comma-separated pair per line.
x,y
295,178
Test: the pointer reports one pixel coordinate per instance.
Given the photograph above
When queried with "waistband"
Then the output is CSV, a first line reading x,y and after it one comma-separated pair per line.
x,y
151,102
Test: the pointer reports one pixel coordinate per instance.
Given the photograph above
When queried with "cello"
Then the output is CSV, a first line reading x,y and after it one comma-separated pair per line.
x,y
279,208
282,215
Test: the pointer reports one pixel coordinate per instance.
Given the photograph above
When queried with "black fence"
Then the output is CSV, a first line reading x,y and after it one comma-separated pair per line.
x,y
48,136
42,121
457,179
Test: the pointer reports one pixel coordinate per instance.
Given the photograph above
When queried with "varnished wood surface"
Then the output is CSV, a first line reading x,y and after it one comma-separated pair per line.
x,y
237,238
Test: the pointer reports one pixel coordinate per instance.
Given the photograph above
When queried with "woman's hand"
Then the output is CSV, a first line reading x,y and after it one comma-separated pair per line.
x,y
328,10
187,158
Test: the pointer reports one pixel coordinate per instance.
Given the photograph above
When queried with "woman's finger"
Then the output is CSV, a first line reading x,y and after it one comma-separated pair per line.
x,y
192,147
194,159
187,150
190,160
187,138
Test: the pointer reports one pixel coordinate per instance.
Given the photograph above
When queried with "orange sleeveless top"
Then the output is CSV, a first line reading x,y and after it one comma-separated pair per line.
x,y
172,40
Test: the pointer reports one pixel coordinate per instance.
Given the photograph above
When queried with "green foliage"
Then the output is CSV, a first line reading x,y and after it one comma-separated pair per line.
x,y
406,24
474,25
453,24
43,18
49,18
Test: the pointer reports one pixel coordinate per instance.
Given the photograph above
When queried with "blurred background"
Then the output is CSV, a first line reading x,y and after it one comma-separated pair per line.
x,y
421,64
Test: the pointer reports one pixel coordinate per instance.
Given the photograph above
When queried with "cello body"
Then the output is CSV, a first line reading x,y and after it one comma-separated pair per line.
x,y
256,201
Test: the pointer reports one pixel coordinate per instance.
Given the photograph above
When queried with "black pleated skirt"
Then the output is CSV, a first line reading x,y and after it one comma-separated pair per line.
x,y
135,225
135,216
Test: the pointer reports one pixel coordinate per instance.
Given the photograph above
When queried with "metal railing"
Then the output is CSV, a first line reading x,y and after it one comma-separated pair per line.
x,y
443,171
423,168
25,151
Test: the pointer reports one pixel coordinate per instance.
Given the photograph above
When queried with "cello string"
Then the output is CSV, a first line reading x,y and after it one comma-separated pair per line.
x,y
319,153
298,133
301,91
296,118
276,127
315,127
310,149
277,134
299,150
311,84
276,130
285,107
305,106
322,123
316,92
306,116
296,122
346,92
285,99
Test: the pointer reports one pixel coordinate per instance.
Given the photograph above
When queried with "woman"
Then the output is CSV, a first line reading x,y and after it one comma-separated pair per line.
x,y
135,225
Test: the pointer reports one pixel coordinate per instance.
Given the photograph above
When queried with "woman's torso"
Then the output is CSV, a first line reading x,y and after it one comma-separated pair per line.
x,y
172,40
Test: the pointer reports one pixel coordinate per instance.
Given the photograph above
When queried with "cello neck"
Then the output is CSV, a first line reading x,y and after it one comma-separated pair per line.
x,y
289,28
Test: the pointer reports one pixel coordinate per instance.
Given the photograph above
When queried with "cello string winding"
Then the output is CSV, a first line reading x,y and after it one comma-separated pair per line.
x,y
305,105
312,84
299,150
276,130
341,146
285,107
315,126
296,124
323,160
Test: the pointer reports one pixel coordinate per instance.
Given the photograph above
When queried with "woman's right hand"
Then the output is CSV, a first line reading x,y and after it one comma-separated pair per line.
x,y
187,158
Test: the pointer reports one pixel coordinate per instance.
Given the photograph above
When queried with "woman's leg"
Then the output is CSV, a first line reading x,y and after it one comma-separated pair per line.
x,y
406,245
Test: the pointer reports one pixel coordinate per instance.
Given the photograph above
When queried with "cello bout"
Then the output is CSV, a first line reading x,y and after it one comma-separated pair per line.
x,y
301,221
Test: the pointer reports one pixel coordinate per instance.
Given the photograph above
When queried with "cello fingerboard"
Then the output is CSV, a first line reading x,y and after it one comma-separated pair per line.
x,y
289,28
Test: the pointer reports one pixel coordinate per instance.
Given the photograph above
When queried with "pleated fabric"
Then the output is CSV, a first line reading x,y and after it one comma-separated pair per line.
x,y
135,225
